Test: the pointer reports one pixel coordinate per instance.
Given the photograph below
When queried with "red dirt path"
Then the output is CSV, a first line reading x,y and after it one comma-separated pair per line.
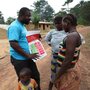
x,y
8,78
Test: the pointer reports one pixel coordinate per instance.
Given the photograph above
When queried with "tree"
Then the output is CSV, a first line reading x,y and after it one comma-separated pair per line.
x,y
81,2
61,13
10,20
85,12
82,11
35,20
1,18
67,3
76,10
44,10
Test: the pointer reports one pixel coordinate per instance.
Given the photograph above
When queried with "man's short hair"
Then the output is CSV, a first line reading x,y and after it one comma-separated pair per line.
x,y
23,11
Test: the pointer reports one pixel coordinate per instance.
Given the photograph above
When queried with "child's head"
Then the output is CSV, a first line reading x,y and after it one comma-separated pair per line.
x,y
25,75
58,22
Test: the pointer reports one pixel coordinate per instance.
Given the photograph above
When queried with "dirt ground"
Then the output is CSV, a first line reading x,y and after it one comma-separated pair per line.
x,y
8,78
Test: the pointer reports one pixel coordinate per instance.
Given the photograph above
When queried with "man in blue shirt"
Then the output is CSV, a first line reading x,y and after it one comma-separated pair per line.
x,y
19,49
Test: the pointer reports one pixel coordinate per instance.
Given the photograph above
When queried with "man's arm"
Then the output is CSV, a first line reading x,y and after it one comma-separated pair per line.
x,y
17,48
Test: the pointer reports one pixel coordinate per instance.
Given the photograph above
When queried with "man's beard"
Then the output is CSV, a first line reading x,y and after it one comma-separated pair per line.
x,y
26,21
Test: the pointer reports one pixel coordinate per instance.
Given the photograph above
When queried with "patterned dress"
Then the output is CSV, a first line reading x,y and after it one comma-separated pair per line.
x,y
54,37
61,54
70,80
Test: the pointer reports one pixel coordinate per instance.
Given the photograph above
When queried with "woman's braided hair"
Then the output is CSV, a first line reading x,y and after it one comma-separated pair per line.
x,y
70,19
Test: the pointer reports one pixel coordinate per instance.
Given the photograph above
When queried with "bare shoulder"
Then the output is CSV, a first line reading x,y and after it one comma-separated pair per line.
x,y
74,35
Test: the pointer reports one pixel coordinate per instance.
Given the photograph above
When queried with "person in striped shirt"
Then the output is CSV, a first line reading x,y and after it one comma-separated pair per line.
x,y
68,75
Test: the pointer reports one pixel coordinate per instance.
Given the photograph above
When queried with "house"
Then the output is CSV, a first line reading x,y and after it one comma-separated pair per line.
x,y
4,26
42,25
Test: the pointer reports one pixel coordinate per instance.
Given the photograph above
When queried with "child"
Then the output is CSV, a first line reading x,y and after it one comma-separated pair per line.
x,y
26,82
53,38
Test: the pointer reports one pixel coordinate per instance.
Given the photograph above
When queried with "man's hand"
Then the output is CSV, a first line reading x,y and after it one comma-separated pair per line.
x,y
33,56
49,45
18,49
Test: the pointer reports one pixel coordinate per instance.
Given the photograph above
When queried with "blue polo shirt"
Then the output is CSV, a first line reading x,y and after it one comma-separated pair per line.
x,y
17,31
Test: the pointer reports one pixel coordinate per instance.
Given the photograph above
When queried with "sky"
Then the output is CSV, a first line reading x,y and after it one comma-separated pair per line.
x,y
9,8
